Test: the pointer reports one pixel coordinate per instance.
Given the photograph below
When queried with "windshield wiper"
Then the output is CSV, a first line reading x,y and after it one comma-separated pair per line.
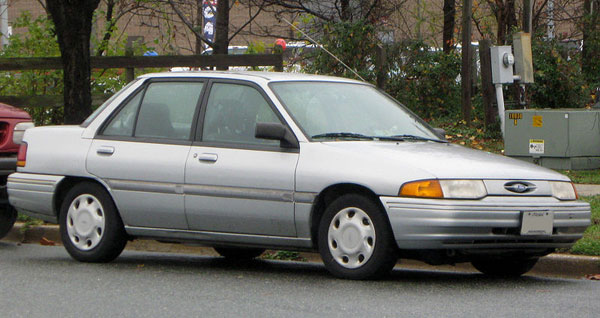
x,y
342,135
414,137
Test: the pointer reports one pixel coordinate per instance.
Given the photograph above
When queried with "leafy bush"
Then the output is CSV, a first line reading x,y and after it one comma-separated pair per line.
x,y
559,82
354,43
424,79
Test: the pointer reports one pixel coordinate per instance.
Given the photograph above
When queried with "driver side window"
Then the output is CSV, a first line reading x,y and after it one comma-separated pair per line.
x,y
232,112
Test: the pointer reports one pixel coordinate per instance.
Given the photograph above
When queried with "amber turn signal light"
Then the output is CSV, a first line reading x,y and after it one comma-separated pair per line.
x,y
422,189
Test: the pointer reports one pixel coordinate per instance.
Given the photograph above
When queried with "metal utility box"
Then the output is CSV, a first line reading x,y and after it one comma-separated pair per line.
x,y
523,57
554,138
502,64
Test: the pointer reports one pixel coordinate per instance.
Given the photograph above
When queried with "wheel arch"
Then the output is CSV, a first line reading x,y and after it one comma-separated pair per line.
x,y
328,195
67,184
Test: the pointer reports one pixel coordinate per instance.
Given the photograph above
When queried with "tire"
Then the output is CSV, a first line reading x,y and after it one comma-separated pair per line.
x,y
90,226
505,267
239,253
8,216
355,239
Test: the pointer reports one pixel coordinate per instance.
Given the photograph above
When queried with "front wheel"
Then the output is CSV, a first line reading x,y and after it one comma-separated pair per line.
x,y
90,226
505,267
8,216
355,239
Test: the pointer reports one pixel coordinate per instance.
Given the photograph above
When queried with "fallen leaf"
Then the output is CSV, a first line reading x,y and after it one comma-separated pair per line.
x,y
593,277
47,242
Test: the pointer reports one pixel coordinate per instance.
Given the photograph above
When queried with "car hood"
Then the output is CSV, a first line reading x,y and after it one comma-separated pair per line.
x,y
7,111
447,161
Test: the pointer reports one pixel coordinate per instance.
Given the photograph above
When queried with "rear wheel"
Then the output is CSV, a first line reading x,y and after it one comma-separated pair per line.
x,y
239,253
355,239
90,226
505,267
8,216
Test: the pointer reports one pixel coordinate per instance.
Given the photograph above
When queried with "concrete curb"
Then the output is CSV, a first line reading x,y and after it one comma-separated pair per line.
x,y
555,265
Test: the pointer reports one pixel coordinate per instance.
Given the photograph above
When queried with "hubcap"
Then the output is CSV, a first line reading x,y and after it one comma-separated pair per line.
x,y
85,222
351,237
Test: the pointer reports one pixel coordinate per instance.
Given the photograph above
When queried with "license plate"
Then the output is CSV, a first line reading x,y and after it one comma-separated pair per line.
x,y
537,223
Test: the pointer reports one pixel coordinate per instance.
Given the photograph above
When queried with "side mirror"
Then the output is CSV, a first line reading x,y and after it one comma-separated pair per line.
x,y
276,131
440,132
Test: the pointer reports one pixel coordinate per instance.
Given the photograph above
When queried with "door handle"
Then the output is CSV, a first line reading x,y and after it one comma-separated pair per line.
x,y
208,157
105,150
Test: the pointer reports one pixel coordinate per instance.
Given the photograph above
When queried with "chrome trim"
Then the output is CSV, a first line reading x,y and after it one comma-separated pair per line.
x,y
219,237
305,197
239,193
204,190
143,186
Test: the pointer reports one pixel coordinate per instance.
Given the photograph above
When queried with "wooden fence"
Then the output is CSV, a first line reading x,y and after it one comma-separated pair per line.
x,y
128,63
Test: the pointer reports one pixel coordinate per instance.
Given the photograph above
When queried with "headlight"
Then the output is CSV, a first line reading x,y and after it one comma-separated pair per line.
x,y
563,190
444,189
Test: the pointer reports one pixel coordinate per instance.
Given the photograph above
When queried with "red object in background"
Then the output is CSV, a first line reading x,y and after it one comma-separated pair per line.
x,y
280,42
9,117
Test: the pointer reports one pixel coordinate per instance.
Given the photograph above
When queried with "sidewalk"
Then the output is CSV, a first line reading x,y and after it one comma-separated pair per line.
x,y
555,265
588,189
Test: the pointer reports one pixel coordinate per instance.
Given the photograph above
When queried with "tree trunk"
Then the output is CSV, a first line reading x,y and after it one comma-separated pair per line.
x,y
73,25
449,21
590,55
466,61
345,8
222,30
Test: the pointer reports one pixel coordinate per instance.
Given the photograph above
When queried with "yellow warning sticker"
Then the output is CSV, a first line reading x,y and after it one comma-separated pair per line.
x,y
538,121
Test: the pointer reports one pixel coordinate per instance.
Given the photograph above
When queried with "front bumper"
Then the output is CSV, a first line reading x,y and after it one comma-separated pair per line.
x,y
489,223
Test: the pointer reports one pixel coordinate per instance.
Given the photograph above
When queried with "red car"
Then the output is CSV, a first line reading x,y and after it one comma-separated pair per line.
x,y
13,122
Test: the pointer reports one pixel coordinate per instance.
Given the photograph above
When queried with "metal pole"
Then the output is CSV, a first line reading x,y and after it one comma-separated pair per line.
x,y
4,23
527,15
500,101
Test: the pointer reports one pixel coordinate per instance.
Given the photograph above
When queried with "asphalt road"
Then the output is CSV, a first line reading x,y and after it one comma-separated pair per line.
x,y
39,281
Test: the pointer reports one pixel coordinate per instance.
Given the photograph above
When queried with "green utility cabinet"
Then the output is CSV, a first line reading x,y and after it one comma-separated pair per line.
x,y
554,138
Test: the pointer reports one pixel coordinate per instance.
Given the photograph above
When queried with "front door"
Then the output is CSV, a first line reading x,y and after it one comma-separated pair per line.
x,y
236,183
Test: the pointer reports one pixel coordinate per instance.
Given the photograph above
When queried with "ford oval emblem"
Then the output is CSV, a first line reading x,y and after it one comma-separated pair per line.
x,y
519,187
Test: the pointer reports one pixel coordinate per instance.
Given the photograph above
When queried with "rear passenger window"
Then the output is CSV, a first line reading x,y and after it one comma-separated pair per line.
x,y
165,111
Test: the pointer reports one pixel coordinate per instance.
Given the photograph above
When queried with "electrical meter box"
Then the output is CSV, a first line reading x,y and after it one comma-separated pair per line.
x,y
502,64
554,138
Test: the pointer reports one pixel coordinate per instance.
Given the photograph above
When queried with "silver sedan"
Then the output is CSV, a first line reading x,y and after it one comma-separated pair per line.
x,y
248,161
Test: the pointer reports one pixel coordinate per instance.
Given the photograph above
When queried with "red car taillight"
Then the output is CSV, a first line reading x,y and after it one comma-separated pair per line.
x,y
22,155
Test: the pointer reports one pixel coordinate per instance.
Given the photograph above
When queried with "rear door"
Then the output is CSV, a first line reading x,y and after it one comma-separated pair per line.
x,y
236,183
141,152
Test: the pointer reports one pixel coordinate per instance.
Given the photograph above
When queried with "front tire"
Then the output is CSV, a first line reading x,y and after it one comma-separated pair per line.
x,y
8,216
355,239
504,267
90,226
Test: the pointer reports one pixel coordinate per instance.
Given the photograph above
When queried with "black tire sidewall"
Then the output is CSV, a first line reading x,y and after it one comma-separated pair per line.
x,y
8,216
384,254
113,239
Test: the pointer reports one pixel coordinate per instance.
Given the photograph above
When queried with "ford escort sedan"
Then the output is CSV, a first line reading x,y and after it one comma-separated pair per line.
x,y
248,161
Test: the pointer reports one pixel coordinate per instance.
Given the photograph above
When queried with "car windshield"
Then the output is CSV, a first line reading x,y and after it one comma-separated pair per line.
x,y
332,110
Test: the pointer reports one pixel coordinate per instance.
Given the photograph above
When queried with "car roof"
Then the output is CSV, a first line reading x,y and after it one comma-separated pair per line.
x,y
253,76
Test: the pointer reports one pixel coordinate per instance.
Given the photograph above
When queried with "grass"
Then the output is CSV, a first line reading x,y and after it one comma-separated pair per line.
x,y
583,176
590,243
283,255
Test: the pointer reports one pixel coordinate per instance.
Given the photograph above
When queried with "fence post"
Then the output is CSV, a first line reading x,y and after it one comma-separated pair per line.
x,y
130,71
279,64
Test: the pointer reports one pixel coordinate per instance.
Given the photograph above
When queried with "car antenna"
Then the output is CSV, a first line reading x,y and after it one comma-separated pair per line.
x,y
322,47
